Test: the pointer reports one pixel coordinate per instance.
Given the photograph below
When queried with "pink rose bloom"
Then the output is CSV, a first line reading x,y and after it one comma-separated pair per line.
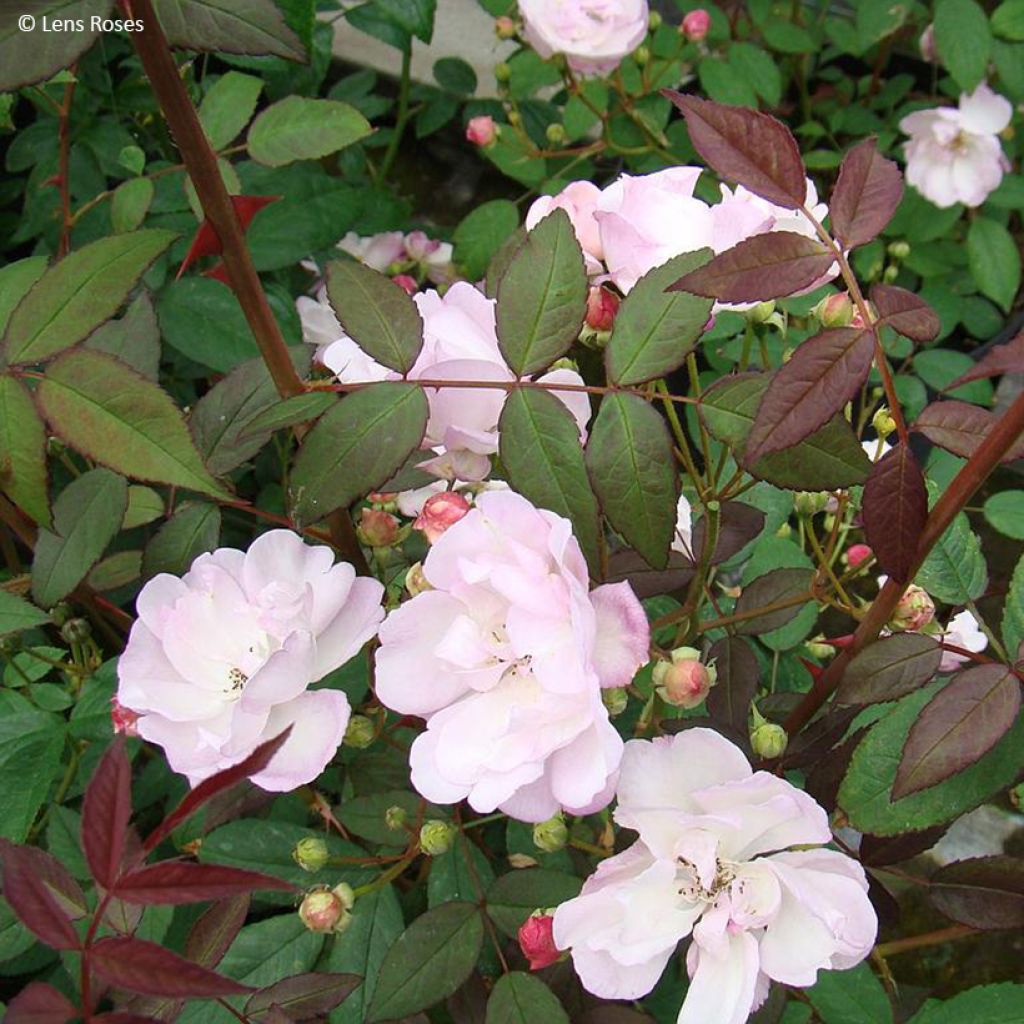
x,y
579,200
440,512
482,130
963,631
646,220
377,251
594,35
713,862
505,659
954,154
221,659
537,942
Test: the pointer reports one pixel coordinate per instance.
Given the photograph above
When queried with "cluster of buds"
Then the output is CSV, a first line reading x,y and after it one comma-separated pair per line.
x,y
537,940
328,910
914,611
551,835
810,503
767,739
684,682
441,512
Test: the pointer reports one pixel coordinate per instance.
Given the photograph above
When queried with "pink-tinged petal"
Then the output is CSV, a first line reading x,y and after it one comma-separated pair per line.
x,y
623,637
577,402
722,988
532,803
984,112
353,625
156,601
580,772
318,719
282,555
286,674
427,778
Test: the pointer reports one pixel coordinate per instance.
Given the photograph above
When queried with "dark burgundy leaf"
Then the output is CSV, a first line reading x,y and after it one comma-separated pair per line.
x,y
303,995
209,788
738,674
825,777
39,1003
45,898
877,851
894,510
889,668
140,966
211,936
275,1015
123,1017
884,903
826,371
767,266
906,313
468,1005
173,882
983,892
867,192
106,811
815,742
959,725
960,427
645,581
788,588
738,525
1008,358
747,147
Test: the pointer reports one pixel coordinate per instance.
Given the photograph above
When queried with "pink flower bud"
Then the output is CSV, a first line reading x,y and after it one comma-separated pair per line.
x,y
123,719
857,553
440,512
602,305
914,611
377,528
482,131
537,940
696,24
926,44
504,27
683,682
323,911
835,310
419,245
408,284
382,497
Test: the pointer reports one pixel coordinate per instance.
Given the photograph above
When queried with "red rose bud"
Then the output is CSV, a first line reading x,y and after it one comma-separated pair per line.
x,y
408,284
856,554
377,528
537,940
602,305
123,719
481,131
696,24
441,512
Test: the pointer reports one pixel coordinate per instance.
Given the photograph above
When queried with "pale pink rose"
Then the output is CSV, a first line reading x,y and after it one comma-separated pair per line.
x,y
594,35
441,512
954,154
505,660
537,942
963,631
712,861
646,220
221,659
579,200
696,24
377,251
481,131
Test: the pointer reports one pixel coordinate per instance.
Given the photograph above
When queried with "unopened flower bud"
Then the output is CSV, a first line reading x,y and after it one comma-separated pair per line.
x,y
377,528
696,24
311,854
537,940
436,837
890,274
440,512
395,817
769,740
325,910
481,130
382,498
602,305
555,133
926,44
407,283
914,610
857,554
551,835
615,700
684,681
835,310
762,312
898,250
817,648
123,719
502,72
76,631
416,580
653,21
810,503
883,422
642,56
522,860
360,732
504,27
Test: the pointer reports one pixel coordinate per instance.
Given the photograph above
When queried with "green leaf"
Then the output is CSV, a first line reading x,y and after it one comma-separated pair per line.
x,y
985,1004
1013,612
463,873
520,998
877,19
516,895
865,791
134,338
854,996
253,27
297,128
86,517
963,40
1005,513
23,451
542,297
722,82
787,37
144,505
455,75
428,962
541,452
994,259
15,280
116,570
655,329
111,414
1008,20
193,530
357,446
955,570
759,69
297,409
377,314
481,233
631,466
79,293
130,204
16,614
228,106
30,750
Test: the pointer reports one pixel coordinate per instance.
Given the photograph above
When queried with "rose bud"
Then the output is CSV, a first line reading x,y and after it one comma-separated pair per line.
x,y
684,681
377,528
360,732
441,512
551,835
914,611
504,27
926,44
696,24
436,837
537,940
408,284
835,310
328,910
769,740
602,305
482,131
416,580
311,854
856,554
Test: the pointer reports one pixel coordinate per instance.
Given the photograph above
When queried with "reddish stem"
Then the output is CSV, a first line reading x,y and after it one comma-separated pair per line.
x,y
64,165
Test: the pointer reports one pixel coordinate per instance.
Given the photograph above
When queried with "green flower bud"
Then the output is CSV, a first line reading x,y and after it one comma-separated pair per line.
x,y
360,732
395,818
416,581
891,273
502,72
810,503
642,56
551,835
555,133
76,631
436,837
899,250
761,312
816,648
615,700
311,854
653,21
883,422
769,740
